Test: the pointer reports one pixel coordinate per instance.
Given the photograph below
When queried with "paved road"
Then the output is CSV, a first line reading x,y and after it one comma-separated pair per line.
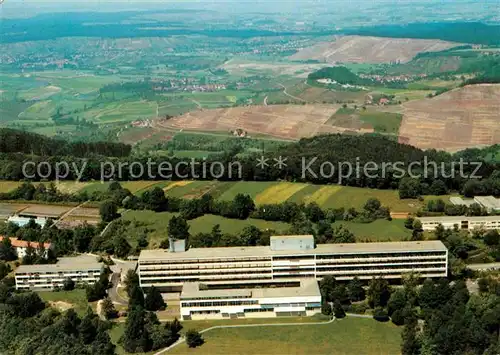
x,y
182,340
495,266
113,291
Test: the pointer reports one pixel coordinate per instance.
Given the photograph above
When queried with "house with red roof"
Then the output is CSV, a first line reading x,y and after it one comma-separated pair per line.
x,y
21,245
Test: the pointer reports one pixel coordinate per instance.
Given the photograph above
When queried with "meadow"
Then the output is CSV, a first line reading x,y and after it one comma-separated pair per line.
x,y
344,336
269,192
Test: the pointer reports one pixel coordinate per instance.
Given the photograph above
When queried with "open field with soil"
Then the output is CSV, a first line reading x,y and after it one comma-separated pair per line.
x,y
358,49
459,119
345,336
281,121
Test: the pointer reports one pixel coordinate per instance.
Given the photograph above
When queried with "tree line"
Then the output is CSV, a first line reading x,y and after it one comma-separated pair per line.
x,y
15,141
334,155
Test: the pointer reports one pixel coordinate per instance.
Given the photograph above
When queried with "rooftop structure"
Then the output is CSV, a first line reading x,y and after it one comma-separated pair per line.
x,y
303,299
489,202
292,242
458,201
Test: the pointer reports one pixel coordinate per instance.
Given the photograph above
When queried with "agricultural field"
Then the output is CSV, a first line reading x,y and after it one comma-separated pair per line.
x,y
358,49
367,120
345,336
459,119
380,230
280,121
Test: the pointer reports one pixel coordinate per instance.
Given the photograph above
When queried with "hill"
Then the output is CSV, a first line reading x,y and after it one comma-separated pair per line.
x,y
281,121
358,49
462,118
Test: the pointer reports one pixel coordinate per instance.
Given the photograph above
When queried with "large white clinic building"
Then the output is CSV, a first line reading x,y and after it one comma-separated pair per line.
x,y
301,300
287,261
462,222
82,270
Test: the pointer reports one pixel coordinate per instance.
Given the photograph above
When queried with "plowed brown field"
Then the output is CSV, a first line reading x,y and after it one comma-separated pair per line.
x,y
281,121
462,118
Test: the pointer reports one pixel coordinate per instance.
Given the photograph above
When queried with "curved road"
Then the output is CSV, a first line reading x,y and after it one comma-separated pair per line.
x,y
287,94
182,340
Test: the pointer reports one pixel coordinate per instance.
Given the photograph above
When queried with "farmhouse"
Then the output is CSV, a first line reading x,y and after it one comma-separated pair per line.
x,y
301,300
289,260
82,270
21,245
462,222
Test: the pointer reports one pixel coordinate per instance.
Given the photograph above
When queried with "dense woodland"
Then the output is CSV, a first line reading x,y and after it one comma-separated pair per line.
x,y
332,154
14,141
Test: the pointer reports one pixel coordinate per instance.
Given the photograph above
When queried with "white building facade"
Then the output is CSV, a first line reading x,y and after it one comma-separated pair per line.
x,y
250,266
302,300
462,222
50,276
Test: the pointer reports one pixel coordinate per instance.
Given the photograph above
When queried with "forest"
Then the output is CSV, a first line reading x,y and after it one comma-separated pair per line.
x,y
305,160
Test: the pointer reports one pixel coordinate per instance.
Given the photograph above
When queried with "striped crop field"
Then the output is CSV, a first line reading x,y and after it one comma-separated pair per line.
x,y
278,193
269,192
323,194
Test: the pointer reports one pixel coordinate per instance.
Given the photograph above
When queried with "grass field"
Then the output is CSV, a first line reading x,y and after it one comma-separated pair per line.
x,y
157,225
346,336
76,298
7,186
380,230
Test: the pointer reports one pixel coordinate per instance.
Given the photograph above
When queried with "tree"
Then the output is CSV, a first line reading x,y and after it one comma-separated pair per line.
x,y
355,290
380,314
87,328
492,238
327,286
135,338
178,228
409,188
313,212
372,205
136,297
326,309
397,301
174,326
108,211
154,300
156,200
483,284
409,222
410,343
338,311
194,338
108,309
131,280
243,205
68,284
121,246
7,251
379,292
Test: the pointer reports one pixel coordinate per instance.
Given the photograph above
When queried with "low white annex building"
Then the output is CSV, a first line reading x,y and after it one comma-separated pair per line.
x,y
462,222
301,300
82,270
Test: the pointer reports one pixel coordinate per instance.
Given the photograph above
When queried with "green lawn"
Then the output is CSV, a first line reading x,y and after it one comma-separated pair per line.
x,y
233,226
77,298
346,336
380,230
157,225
